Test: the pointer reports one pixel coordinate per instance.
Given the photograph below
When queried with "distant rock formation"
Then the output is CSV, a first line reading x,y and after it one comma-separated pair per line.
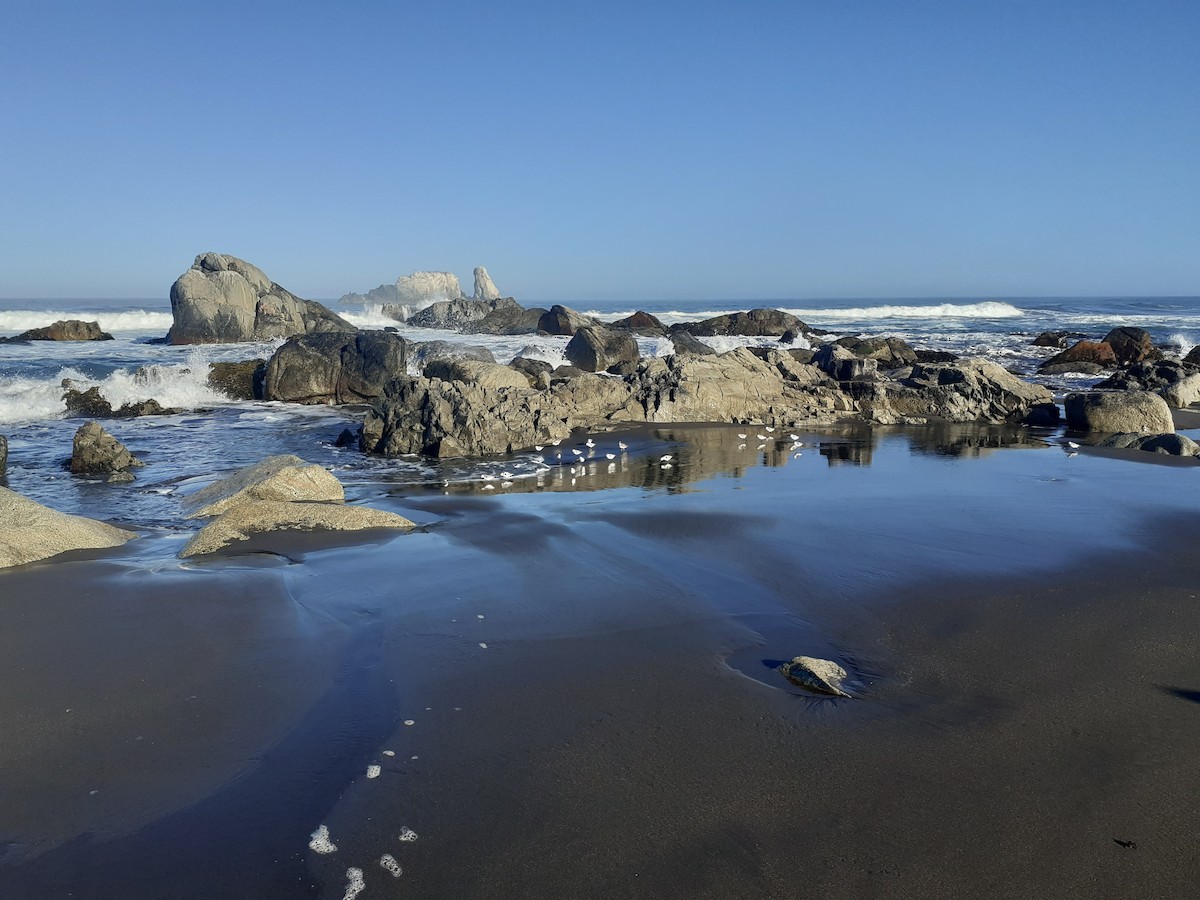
x,y
427,287
484,288
385,293
222,299
458,314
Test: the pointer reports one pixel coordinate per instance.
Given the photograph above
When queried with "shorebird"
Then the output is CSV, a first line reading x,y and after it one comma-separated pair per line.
x,y
796,455
794,437
556,443
590,442
538,447
742,436
770,428
506,474
1072,445
741,446
488,477
610,456
665,466
666,458
623,446
761,447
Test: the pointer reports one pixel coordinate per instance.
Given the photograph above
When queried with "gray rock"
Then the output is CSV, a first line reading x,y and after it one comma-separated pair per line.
x,y
1056,339
96,452
888,352
423,352
485,289
508,320
456,315
30,531
969,390
471,371
687,344
1182,393
1131,345
641,323
822,676
934,356
65,330
1168,444
564,320
3,455
597,349
1072,368
1193,356
87,403
841,364
1129,412
223,299
284,478
335,368
752,323
136,409
384,294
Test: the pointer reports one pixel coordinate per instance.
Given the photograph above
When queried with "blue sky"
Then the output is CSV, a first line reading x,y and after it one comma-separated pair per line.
x,y
605,150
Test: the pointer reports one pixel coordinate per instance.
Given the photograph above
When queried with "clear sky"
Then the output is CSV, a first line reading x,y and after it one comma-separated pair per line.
x,y
690,150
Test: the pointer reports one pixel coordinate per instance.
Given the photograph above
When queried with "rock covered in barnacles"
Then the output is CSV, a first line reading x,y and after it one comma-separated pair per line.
x,y
822,676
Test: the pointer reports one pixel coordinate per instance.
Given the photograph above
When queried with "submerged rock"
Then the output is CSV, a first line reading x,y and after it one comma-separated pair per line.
x,y
822,676
96,452
65,330
1121,412
222,299
30,531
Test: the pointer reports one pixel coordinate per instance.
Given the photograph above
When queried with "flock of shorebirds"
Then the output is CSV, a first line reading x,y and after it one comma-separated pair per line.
x,y
575,459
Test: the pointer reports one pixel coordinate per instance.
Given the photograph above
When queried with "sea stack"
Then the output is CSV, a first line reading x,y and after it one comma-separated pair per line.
x,y
485,289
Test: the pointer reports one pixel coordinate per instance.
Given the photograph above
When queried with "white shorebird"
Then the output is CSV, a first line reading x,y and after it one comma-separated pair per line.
x,y
794,437
538,447
742,436
770,428
610,456
556,443
622,446
506,475
665,458
761,447
741,446
590,443
665,466
761,437
797,455
558,455
1072,445
488,477
577,452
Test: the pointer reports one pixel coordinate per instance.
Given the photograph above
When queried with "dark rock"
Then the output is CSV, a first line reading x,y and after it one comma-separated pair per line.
x,y
385,293
889,352
841,365
242,380
753,323
641,323
790,336
934,356
347,438
149,407
533,368
1075,368
458,314
1193,356
223,299
1056,339
564,320
802,356
687,344
426,351
87,403
566,373
335,368
1131,345
65,330
1147,376
1168,444
96,452
595,349
3,455
1120,412
1045,415
1091,352
508,321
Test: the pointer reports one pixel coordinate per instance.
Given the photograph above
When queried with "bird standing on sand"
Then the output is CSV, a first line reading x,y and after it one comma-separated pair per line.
x,y
623,446
666,458
590,443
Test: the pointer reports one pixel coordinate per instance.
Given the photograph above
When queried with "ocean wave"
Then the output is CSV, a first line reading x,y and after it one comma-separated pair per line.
x,y
19,320
176,386
987,309
371,316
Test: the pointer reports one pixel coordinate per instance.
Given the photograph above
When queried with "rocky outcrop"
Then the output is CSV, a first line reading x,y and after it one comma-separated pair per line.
x,y
888,352
841,364
1166,444
255,517
641,323
242,380
491,376
335,368
1131,345
92,405
384,294
285,478
564,320
96,452
1084,356
427,287
970,390
1177,383
457,315
424,352
752,323
1123,412
508,320
821,676
687,344
223,299
3,455
277,494
30,531
65,330
485,289
598,349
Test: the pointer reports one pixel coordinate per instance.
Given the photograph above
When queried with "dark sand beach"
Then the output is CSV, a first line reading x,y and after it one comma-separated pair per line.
x,y
1025,648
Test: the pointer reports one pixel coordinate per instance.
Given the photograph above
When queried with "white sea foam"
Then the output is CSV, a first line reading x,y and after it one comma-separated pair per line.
x,y
138,320
320,842
407,834
389,863
987,309
373,771
354,883
371,316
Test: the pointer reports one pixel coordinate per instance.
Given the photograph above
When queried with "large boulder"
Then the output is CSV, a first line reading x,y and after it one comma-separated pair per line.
x,y
335,368
841,364
96,452
508,320
752,323
1165,444
1089,354
485,288
888,352
458,314
969,390
1131,345
564,320
599,349
424,352
1182,393
1121,412
687,344
30,531
243,521
241,380
427,287
223,299
1176,382
489,375
641,323
65,330
284,478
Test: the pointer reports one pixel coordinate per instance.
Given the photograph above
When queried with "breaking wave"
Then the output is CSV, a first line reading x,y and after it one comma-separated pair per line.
x,y
19,320
987,309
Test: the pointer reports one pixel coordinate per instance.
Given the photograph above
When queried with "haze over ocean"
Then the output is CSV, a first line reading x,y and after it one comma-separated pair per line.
x,y
630,151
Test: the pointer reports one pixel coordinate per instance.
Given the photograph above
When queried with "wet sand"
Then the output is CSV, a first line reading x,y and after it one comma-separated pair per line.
x,y
1027,726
